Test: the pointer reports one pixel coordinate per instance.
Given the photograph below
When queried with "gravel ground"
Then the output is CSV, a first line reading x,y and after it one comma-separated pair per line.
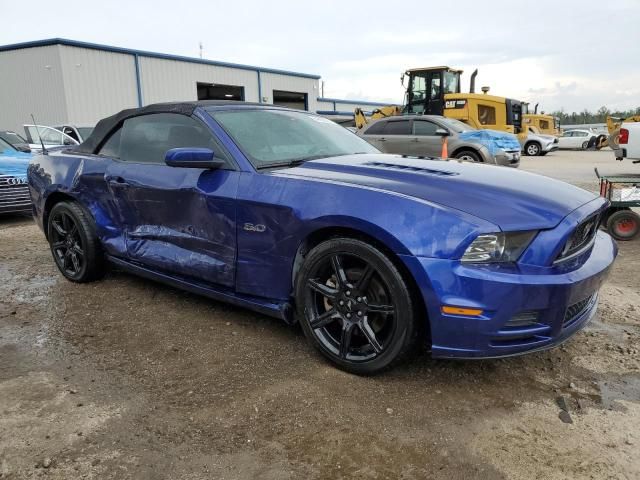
x,y
126,378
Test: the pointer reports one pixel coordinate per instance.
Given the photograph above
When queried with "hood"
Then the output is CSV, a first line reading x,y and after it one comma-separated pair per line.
x,y
14,163
492,139
508,198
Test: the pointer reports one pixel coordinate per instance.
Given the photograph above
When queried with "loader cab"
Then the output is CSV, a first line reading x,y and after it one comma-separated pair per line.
x,y
426,88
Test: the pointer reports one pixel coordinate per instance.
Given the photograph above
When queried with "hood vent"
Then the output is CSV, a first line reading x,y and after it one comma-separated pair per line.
x,y
410,168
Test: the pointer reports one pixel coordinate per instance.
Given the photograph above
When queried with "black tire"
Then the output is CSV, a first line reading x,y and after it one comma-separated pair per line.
x,y
532,149
468,155
74,244
375,325
623,225
585,145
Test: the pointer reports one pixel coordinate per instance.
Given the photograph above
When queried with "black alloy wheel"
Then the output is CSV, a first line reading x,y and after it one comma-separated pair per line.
x,y
73,243
356,308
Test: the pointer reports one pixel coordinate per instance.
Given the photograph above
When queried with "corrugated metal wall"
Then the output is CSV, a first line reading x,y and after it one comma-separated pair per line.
x,y
78,85
31,81
168,80
272,81
97,83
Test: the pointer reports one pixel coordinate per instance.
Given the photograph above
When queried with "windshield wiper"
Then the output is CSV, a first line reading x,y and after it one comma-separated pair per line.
x,y
290,163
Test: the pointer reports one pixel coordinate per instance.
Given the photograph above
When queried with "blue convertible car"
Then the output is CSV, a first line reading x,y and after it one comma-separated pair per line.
x,y
286,213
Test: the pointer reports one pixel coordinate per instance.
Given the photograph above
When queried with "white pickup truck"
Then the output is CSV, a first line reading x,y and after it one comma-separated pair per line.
x,y
628,142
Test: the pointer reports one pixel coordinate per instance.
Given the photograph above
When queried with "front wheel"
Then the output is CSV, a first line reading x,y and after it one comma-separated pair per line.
x,y
533,149
354,306
469,156
74,244
585,145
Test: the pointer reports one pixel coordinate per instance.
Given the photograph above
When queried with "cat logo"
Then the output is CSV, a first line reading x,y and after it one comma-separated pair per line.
x,y
250,227
455,103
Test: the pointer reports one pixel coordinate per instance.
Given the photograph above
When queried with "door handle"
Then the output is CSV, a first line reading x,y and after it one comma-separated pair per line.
x,y
117,181
382,139
415,140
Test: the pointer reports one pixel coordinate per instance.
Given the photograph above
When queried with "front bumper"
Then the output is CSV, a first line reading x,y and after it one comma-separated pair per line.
x,y
563,299
508,158
550,147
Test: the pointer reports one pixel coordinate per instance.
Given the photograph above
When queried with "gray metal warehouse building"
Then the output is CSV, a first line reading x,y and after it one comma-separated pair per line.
x,y
65,81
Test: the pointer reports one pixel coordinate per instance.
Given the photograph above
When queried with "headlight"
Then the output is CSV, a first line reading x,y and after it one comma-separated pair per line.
x,y
498,247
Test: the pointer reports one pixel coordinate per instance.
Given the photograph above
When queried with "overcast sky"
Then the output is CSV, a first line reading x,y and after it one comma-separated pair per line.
x,y
563,54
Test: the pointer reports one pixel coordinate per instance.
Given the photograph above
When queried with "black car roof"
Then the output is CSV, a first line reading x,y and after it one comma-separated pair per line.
x,y
107,125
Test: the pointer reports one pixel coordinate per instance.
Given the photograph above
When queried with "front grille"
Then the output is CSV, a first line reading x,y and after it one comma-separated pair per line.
x,y
14,194
581,237
574,311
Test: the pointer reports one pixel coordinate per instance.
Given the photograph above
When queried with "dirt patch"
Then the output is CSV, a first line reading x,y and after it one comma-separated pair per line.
x,y
125,378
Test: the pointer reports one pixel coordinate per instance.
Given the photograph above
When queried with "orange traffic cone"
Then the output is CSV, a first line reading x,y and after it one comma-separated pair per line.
x,y
445,149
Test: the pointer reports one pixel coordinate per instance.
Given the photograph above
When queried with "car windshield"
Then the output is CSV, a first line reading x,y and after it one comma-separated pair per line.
x,y
456,125
272,138
11,137
6,147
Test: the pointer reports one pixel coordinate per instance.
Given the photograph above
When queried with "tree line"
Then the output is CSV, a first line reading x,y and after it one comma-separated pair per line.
x,y
586,116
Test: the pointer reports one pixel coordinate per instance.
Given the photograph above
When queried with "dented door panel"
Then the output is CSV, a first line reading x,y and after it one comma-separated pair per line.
x,y
179,220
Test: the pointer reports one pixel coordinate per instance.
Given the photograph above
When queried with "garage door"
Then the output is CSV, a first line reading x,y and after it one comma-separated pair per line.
x,y
290,99
215,91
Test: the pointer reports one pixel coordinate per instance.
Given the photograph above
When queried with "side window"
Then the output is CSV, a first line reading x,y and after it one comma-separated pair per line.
x,y
423,127
544,124
147,138
376,128
112,146
486,115
397,128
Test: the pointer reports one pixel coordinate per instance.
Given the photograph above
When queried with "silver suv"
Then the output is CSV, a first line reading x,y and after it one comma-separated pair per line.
x,y
421,135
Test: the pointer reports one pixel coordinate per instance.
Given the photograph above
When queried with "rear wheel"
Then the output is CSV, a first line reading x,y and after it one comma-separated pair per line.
x,y
585,145
74,244
623,224
354,306
532,149
469,156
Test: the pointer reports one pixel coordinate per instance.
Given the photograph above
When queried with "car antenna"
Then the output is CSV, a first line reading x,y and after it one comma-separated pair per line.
x,y
35,124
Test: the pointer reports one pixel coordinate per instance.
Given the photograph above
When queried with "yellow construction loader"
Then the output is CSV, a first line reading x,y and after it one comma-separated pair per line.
x,y
436,91
541,122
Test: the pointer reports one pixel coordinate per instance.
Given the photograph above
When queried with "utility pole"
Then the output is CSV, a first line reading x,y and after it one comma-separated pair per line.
x,y
201,47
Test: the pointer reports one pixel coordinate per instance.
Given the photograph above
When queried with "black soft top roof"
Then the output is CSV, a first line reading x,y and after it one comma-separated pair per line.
x,y
107,125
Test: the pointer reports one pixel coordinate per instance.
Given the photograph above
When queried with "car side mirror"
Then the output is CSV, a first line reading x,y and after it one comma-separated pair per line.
x,y
441,132
192,157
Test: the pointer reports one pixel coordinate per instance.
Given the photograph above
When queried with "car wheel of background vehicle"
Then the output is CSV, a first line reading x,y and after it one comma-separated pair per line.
x,y
585,145
354,306
532,149
469,156
74,244
623,225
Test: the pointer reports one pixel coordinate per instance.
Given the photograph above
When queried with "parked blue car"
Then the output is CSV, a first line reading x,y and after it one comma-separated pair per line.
x,y
14,191
289,214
